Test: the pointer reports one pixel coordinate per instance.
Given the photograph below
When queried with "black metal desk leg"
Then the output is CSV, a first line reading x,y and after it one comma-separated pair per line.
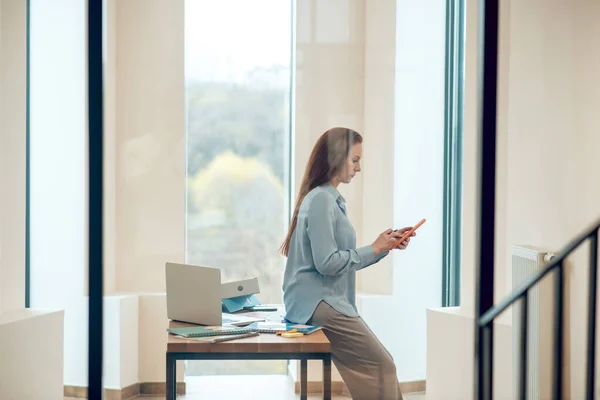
x,y
303,379
171,391
327,377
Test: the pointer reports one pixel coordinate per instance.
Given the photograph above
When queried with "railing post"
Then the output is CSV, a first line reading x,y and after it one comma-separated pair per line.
x,y
591,353
487,348
484,273
524,334
557,368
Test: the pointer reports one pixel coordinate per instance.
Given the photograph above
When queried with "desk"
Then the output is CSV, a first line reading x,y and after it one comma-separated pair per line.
x,y
263,347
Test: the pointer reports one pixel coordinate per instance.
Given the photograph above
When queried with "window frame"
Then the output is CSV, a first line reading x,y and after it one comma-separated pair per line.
x,y
27,157
453,136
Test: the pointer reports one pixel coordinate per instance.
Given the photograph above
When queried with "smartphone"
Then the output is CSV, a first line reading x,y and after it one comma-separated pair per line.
x,y
408,234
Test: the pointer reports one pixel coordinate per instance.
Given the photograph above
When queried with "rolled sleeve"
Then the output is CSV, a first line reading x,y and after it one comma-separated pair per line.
x,y
376,258
327,257
367,255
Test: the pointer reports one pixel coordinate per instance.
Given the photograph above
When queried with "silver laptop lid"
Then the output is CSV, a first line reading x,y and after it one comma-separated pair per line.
x,y
193,294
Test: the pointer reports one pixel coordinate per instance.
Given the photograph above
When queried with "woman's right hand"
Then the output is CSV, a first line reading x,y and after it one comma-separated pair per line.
x,y
385,241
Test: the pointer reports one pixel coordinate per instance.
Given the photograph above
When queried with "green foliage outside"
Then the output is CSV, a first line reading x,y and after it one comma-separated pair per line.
x,y
237,214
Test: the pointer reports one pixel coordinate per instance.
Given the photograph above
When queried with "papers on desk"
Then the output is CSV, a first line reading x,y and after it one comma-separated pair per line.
x,y
240,319
275,327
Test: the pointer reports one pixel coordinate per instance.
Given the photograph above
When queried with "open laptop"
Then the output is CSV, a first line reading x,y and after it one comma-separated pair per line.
x,y
194,295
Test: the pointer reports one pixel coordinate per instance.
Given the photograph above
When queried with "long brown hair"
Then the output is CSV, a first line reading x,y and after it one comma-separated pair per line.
x,y
326,161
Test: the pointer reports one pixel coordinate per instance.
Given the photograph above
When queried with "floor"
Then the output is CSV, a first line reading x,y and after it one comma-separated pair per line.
x,y
311,397
253,387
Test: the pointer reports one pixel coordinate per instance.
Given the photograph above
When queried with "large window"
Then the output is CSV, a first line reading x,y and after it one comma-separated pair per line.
x,y
238,80
238,127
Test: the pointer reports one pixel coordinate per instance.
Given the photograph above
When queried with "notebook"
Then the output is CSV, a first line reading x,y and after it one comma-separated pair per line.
x,y
203,331
274,327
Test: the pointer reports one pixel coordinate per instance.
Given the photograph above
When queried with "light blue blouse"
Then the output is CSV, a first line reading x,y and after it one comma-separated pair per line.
x,y
323,258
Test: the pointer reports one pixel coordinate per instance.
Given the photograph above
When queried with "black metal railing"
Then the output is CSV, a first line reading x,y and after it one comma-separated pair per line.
x,y
556,265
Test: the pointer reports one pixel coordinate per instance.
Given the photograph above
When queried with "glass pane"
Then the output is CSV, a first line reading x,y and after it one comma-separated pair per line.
x,y
238,76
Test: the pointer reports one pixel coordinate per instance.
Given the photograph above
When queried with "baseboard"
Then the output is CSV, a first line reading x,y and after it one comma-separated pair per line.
x,y
337,387
81,392
129,392
340,387
413,387
77,392
159,388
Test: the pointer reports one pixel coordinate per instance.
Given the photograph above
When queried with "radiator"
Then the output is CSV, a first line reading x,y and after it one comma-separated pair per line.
x,y
526,261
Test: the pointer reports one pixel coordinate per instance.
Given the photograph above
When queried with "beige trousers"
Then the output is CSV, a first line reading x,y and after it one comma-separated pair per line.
x,y
366,366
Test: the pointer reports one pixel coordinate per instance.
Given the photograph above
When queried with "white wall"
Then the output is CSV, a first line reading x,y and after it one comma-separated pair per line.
x,y
152,342
585,151
553,145
1,167
150,142
329,82
32,371
146,129
36,370
112,351
129,333
418,185
58,180
469,163
450,377
548,144
58,151
121,323
12,153
110,145
378,172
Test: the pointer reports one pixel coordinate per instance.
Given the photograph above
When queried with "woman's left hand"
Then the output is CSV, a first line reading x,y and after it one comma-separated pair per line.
x,y
402,231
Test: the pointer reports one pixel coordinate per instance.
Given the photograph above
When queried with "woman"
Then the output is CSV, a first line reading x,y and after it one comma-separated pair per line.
x,y
322,260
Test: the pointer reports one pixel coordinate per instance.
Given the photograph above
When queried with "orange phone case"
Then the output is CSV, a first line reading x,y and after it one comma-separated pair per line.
x,y
407,234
